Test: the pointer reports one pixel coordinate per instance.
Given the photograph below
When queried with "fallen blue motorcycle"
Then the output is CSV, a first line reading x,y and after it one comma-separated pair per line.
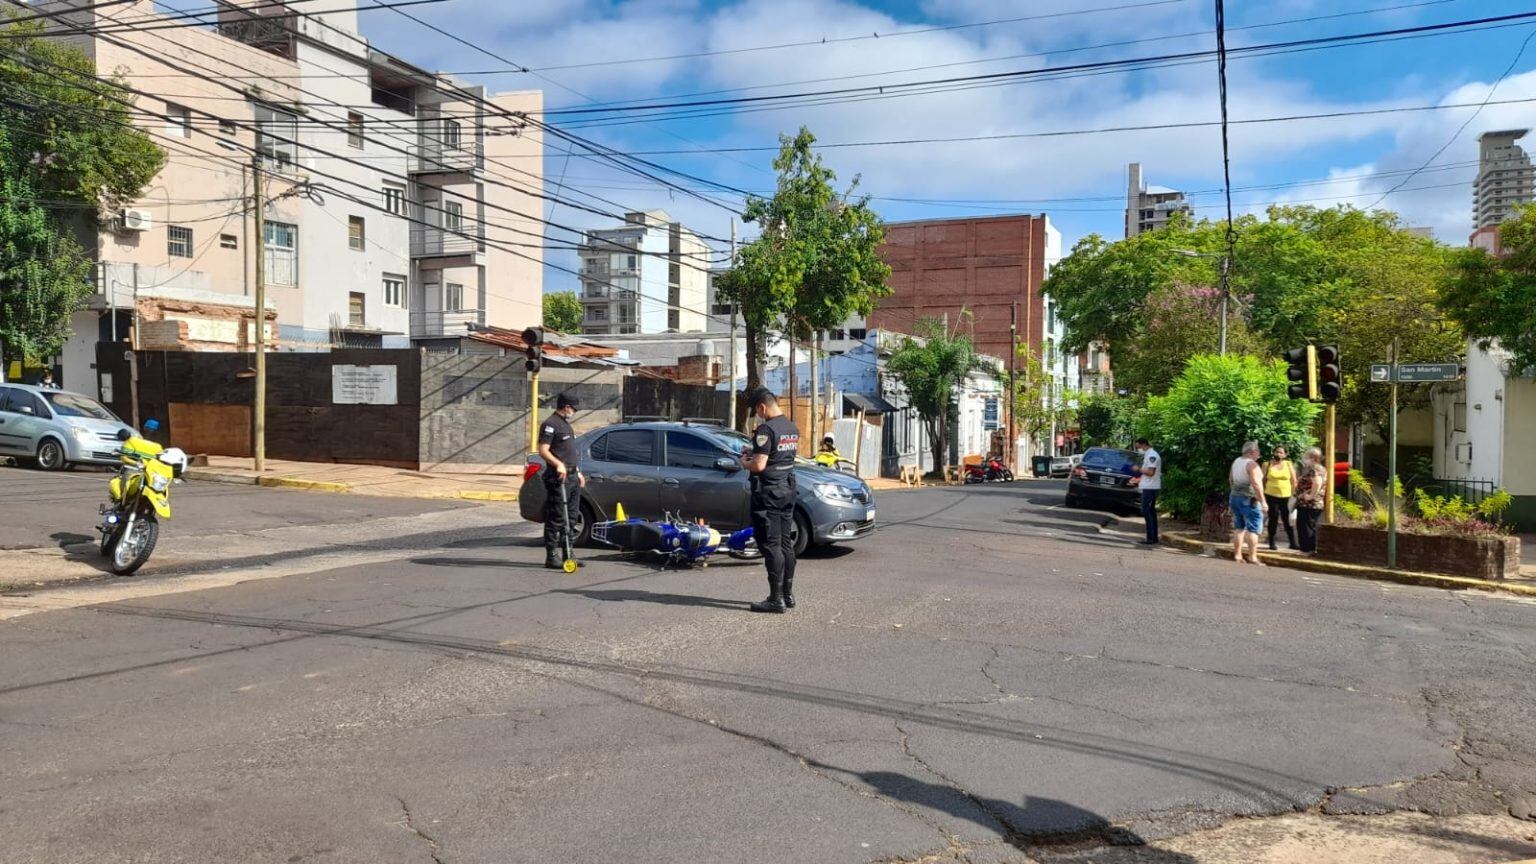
x,y
678,542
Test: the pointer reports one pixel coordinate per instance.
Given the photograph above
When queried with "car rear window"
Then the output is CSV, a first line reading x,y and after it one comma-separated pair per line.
x,y
1109,460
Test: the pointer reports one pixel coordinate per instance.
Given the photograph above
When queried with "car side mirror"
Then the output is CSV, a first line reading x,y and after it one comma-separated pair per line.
x,y
124,434
727,464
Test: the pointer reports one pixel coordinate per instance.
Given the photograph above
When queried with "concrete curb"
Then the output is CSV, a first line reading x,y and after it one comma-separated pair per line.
x,y
476,495
296,483
207,476
1354,571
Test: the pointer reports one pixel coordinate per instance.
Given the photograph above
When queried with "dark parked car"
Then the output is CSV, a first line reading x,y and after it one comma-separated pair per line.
x,y
693,471
1102,481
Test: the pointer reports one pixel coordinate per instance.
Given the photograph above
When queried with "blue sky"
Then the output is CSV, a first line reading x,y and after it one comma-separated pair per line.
x,y
1077,180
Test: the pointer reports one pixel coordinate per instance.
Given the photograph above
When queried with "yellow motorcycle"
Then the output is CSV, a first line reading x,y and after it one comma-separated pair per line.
x,y
139,498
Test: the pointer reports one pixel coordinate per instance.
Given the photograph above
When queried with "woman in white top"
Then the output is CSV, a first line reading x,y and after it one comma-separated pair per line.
x,y
1246,501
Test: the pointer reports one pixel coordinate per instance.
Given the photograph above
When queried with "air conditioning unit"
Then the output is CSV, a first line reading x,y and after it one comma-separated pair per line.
x,y
137,220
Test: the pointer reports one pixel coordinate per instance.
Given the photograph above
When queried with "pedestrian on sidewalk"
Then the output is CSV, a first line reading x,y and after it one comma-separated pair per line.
x,y
1311,489
1279,485
1246,500
557,445
1151,473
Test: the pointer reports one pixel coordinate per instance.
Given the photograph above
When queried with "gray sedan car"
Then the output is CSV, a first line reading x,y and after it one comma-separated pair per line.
x,y
55,428
693,471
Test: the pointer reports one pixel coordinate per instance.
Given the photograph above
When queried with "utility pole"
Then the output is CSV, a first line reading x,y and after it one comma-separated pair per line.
x,y
731,423
1226,267
259,427
1010,450
1329,444
815,346
1392,465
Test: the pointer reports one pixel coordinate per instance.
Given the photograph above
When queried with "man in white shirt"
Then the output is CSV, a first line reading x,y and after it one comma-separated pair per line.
x,y
1151,471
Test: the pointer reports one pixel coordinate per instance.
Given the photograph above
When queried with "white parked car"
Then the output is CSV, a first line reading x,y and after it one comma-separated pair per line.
x,y
55,428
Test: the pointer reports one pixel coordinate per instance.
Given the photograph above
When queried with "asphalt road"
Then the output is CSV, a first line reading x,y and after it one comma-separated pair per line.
x,y
988,678
39,507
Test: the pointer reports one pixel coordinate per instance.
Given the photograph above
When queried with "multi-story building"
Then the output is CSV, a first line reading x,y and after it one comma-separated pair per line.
x,y
720,311
1148,208
391,193
1504,178
650,275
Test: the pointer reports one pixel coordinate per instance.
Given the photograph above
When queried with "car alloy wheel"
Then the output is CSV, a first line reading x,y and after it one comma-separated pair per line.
x,y
50,455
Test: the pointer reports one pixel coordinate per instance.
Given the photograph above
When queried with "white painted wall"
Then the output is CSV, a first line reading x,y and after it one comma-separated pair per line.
x,y
1476,451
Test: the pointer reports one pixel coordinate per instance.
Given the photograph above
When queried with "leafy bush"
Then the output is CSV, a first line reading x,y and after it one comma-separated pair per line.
x,y
1435,514
1215,405
1108,420
1349,509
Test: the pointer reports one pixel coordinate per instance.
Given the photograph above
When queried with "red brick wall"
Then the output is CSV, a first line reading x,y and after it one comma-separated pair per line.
x,y
981,265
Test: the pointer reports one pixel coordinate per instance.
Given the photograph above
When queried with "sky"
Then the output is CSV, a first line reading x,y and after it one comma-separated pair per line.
x,y
574,49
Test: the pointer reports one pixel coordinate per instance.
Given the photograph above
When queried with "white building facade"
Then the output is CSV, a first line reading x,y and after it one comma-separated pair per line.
x,y
650,275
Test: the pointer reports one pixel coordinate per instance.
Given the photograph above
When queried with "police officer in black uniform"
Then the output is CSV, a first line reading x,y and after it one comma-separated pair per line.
x,y
771,460
557,444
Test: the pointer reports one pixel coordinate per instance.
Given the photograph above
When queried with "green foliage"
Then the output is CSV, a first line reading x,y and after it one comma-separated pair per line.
x,y
1349,509
562,312
1108,420
68,152
817,260
932,368
1213,407
1037,401
1452,507
1494,299
1301,274
1493,505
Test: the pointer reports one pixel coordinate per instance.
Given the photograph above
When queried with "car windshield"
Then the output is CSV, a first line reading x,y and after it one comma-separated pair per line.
x,y
74,405
1109,460
730,439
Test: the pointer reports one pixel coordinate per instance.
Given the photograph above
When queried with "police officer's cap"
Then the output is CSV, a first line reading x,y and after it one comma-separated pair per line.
x,y
564,401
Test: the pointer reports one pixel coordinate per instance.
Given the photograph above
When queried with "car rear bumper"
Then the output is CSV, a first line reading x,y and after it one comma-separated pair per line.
x,y
1104,497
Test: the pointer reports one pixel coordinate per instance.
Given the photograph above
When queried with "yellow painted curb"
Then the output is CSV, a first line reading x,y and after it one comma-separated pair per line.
x,y
476,495
1356,571
296,483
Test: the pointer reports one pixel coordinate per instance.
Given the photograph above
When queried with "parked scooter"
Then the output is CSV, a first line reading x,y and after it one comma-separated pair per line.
x,y
139,497
992,470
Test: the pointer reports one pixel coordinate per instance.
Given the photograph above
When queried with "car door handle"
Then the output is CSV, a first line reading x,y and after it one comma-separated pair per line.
x,y
596,478
670,482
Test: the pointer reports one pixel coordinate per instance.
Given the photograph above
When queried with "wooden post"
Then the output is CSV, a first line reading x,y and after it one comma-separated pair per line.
x,y
1328,447
1392,466
858,442
259,409
815,414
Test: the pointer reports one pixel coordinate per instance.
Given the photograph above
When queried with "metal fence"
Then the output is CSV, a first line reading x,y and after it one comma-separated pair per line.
x,y
1472,491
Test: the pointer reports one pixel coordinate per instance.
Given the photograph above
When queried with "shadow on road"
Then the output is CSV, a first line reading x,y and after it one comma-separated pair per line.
x,y
476,562
495,542
82,549
625,595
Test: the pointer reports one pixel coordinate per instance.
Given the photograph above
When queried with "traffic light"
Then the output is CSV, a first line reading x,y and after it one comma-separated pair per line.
x,y
533,337
1330,374
1302,373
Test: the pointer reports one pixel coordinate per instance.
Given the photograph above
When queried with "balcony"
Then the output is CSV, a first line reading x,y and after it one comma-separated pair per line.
x,y
441,157
434,242
429,325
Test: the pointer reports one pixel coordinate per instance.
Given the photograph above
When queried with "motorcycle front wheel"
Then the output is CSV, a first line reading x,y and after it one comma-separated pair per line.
x,y
134,545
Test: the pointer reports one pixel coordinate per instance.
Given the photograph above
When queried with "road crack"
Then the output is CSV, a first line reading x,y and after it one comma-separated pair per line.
x,y
408,822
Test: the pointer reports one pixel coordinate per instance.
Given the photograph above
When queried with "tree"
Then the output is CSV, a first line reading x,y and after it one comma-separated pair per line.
x,y
562,312
1107,420
1180,322
68,154
817,259
932,368
1494,299
1038,403
1214,406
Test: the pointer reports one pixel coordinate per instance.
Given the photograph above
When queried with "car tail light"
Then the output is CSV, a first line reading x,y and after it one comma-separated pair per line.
x,y
531,472
1080,471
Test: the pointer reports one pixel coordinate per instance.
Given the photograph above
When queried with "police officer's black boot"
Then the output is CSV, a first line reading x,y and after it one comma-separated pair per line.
x,y
789,592
775,601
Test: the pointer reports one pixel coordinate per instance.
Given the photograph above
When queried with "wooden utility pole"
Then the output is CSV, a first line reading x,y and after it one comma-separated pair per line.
x,y
1392,465
731,422
1329,459
1010,449
259,426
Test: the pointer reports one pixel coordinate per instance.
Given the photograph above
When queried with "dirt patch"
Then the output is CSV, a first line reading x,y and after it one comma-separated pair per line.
x,y
1311,838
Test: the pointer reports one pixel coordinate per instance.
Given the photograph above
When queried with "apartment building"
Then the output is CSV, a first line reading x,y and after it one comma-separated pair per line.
x,y
1504,178
391,192
1148,208
649,275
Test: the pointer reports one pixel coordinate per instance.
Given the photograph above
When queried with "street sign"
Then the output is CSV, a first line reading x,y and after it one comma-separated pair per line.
x,y
1381,373
1427,371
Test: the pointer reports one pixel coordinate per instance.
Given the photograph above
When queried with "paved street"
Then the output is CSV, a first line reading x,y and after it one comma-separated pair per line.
x,y
1016,686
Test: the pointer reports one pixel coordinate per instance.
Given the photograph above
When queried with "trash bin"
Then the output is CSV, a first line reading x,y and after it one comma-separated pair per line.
x,y
1042,466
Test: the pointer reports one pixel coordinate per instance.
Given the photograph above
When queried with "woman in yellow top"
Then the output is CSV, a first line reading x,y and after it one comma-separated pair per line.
x,y
1279,486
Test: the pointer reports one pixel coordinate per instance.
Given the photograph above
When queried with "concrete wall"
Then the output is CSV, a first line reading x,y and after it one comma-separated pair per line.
x,y
474,409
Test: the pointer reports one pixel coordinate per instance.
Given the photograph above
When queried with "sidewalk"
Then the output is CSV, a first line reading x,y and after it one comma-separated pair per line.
x,y
360,479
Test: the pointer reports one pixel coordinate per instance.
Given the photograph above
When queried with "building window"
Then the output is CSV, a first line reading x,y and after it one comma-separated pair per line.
x,y
626,313
394,291
837,335
228,127
356,309
178,121
354,130
357,239
394,199
722,309
451,136
858,333
453,216
229,241
674,321
597,313
178,241
277,135
280,254
453,297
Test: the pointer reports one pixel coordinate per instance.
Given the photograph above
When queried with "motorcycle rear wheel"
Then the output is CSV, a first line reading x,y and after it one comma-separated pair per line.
x,y
130,553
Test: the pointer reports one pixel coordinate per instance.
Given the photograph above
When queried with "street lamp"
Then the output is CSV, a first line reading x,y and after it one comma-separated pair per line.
x,y
1225,290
